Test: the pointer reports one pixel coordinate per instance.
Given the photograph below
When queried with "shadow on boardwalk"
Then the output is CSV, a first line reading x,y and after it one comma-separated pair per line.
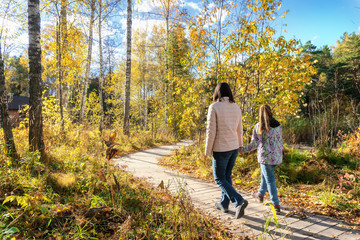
x,y
204,195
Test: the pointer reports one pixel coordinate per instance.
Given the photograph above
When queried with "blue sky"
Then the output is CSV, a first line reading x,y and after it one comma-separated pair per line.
x,y
321,21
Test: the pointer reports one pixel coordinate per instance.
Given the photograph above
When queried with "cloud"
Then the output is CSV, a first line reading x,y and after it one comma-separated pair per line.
x,y
146,24
147,5
218,14
314,38
15,37
144,6
193,5
142,24
10,27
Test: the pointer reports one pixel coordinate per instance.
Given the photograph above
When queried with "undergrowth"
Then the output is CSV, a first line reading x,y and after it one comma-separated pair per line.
x,y
75,193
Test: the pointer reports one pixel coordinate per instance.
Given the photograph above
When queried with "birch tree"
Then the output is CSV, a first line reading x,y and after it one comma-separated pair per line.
x,y
169,11
61,45
36,141
88,61
101,77
6,124
126,126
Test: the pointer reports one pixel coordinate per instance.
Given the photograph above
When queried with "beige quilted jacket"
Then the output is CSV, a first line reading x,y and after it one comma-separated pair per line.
x,y
224,131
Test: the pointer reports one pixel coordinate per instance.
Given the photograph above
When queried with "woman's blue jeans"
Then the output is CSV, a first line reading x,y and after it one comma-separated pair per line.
x,y
223,163
268,183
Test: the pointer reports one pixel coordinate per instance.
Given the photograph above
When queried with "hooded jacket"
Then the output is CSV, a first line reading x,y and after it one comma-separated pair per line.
x,y
269,144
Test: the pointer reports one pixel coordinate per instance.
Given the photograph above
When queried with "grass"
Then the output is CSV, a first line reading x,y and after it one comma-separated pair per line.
x,y
328,197
74,193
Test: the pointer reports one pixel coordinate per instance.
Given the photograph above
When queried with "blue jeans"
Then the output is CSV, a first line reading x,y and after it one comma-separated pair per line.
x,y
223,163
268,183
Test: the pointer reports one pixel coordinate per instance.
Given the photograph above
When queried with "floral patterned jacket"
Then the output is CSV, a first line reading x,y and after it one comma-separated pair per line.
x,y
269,145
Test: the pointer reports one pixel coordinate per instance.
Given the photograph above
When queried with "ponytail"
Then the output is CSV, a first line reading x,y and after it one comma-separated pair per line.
x,y
265,115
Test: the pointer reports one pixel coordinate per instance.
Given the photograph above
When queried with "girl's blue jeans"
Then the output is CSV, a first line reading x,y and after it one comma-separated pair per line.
x,y
223,163
268,183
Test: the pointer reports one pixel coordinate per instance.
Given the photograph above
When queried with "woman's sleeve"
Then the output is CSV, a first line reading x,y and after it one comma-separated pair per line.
x,y
239,131
210,131
255,141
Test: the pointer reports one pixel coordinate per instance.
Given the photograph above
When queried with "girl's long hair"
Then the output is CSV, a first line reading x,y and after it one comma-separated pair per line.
x,y
223,90
265,115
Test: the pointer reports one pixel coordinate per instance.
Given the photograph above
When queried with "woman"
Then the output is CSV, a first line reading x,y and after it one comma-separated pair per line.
x,y
267,139
223,139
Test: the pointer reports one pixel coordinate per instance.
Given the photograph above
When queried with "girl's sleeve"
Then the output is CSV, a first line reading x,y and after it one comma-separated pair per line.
x,y
210,131
255,141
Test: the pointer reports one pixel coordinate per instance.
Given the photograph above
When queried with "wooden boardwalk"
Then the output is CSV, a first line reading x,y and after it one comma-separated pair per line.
x,y
204,195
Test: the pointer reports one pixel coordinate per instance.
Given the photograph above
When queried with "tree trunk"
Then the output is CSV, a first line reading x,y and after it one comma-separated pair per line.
x,y
101,78
145,107
167,67
143,92
62,49
88,62
218,48
6,124
126,127
60,74
36,141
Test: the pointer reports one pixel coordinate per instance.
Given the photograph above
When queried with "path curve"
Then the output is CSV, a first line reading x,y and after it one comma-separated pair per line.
x,y
203,194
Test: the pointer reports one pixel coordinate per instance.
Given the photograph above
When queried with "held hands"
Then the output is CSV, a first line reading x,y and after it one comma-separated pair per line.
x,y
240,152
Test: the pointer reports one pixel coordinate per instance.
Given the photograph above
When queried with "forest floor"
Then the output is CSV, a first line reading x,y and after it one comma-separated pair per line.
x,y
302,147
292,223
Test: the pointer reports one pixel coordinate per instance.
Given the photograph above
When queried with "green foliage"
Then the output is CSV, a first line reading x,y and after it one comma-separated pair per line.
x,y
331,102
328,197
306,167
266,225
16,74
8,232
296,167
346,56
336,157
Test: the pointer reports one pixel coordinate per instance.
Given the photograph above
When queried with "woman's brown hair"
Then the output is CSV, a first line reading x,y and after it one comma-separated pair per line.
x,y
265,115
223,90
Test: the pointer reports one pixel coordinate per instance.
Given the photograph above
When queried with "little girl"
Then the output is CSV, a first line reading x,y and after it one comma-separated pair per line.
x,y
267,139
